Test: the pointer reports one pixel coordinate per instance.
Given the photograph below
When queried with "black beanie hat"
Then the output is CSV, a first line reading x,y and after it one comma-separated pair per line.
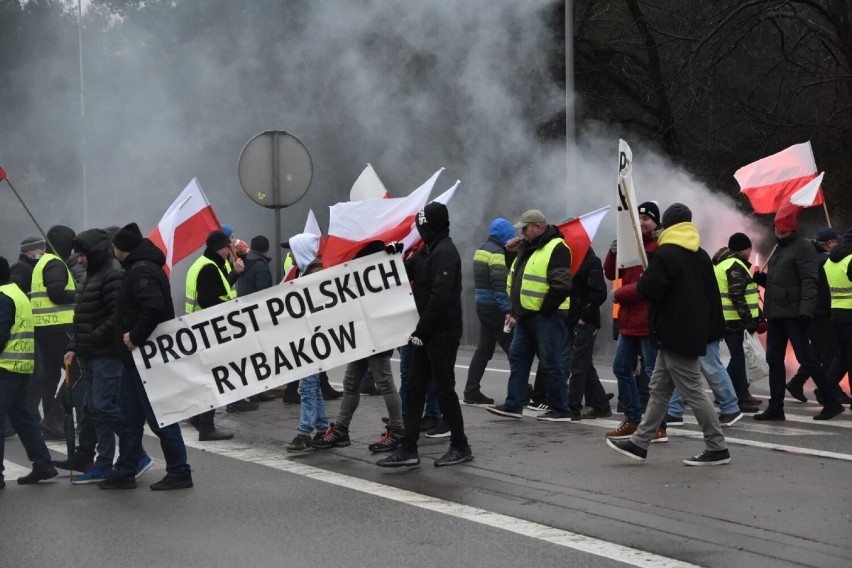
x,y
127,238
676,213
435,216
650,209
32,243
4,270
738,242
217,240
260,244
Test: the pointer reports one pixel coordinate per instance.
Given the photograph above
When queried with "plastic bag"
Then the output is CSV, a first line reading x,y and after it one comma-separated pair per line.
x,y
755,358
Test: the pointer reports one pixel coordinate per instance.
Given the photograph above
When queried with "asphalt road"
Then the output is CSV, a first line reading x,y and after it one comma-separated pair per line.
x,y
538,494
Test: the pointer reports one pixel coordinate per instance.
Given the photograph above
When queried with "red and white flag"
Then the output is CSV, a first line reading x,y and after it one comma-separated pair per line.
x,y
413,237
185,225
787,217
353,224
579,234
769,183
2,174
368,186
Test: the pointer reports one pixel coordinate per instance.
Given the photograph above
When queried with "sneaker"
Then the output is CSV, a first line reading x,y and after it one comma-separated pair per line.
x,y
503,410
213,435
118,482
751,400
796,391
773,414
37,475
728,420
537,407
300,444
627,448
707,457
399,458
173,481
387,443
455,456
145,463
428,422
556,416
624,430
828,413
242,406
93,475
748,409
477,399
77,464
660,436
442,430
334,437
593,413
673,420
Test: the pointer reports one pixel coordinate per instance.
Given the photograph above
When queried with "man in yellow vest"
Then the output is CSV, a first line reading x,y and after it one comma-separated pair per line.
x,y
17,361
838,273
52,294
208,284
539,288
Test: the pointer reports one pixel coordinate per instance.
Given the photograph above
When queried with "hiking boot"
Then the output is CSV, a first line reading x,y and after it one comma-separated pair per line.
x,y
556,416
173,481
627,448
455,456
213,435
593,413
673,420
503,410
38,474
719,457
387,443
93,475
828,413
660,436
477,399
334,437
242,406
300,444
429,421
796,391
77,464
728,420
624,430
118,482
145,463
773,414
442,430
400,458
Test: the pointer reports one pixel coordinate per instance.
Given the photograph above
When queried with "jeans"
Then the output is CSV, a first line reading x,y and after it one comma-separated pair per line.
x,y
491,321
583,380
312,414
626,352
103,378
432,406
545,336
778,333
434,362
717,377
15,404
737,366
135,412
381,370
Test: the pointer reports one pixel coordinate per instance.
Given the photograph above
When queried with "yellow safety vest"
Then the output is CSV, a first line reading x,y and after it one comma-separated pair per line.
x,y
192,284
44,311
288,263
18,354
534,286
838,283
728,308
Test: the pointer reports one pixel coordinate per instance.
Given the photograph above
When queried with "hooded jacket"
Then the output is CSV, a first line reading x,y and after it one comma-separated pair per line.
x,y
490,269
791,279
55,273
588,292
256,275
93,331
633,308
684,313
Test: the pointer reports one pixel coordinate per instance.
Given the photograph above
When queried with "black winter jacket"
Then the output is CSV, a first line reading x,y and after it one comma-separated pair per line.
x,y
209,286
436,274
588,292
685,313
791,279
22,273
256,275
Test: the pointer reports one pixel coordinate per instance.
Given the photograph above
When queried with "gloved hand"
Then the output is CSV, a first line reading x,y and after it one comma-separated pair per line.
x,y
761,327
393,248
759,278
415,341
751,326
804,319
613,246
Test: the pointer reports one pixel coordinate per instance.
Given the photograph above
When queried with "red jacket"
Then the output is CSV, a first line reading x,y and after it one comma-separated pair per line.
x,y
633,309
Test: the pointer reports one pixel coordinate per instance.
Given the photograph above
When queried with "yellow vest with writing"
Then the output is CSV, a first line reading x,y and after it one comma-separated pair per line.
x,y
192,283
728,308
838,284
18,355
45,312
534,286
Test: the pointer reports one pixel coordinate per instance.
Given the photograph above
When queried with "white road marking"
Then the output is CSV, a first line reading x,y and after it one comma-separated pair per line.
x,y
13,471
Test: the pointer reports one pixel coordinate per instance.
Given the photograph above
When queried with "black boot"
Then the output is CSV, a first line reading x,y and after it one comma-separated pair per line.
x,y
291,394
328,392
38,474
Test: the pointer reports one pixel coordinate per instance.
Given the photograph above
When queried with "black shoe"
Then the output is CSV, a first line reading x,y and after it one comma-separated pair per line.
x,y
38,474
195,421
334,437
442,430
301,443
77,464
429,422
477,399
173,481
503,410
328,392
828,413
399,458
796,392
213,435
387,443
2,483
242,406
627,448
262,397
554,415
620,408
593,413
771,414
719,457
455,456
118,482
51,430
673,420
748,408
728,420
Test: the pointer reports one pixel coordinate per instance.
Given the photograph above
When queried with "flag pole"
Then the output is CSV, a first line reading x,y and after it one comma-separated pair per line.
x,y
825,209
27,209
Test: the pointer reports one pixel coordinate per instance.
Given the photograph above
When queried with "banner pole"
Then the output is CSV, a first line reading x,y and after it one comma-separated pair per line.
x,y
27,209
825,209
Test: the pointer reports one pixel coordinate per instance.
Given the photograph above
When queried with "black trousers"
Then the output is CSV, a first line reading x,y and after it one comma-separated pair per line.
x,y
491,321
583,380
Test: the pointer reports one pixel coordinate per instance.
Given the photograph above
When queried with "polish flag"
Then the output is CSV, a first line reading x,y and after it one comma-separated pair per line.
x,y
787,217
185,225
353,224
579,234
2,174
368,186
413,237
769,183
